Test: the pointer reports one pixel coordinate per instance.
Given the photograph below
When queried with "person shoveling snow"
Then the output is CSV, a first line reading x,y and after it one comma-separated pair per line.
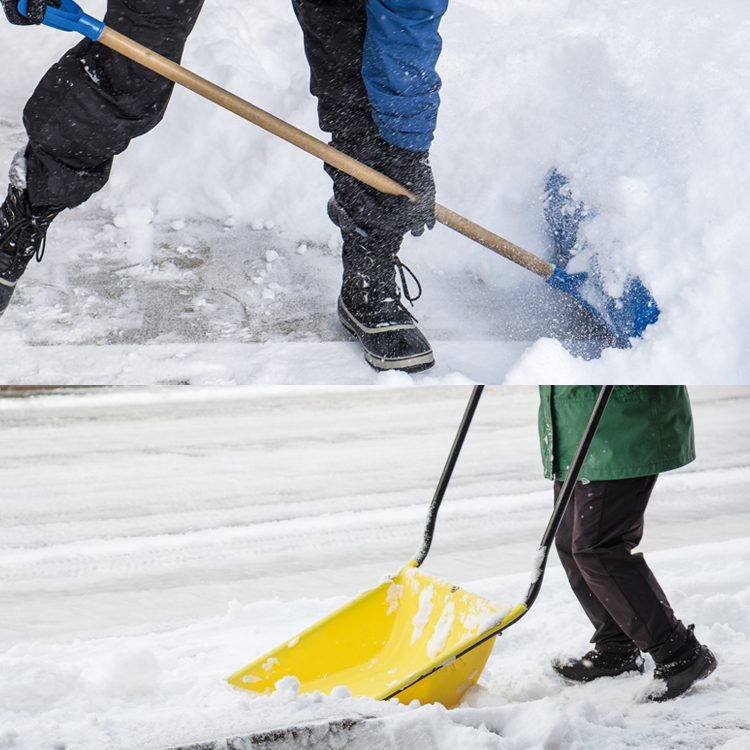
x,y
645,430
373,71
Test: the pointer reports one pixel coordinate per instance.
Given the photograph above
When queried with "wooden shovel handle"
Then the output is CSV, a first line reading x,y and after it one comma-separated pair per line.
x,y
493,241
176,73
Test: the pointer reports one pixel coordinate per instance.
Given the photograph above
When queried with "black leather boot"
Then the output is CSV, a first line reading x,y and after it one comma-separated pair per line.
x,y
370,302
597,664
23,229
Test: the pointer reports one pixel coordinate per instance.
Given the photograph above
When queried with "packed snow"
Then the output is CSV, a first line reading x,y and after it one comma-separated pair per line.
x,y
209,257
155,540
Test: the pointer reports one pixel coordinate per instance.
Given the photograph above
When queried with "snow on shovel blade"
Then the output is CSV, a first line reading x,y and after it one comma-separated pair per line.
x,y
626,316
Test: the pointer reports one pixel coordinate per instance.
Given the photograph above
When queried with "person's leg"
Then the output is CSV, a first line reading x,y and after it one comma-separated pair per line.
x,y
334,33
628,604
608,634
620,594
370,302
616,654
91,103
86,109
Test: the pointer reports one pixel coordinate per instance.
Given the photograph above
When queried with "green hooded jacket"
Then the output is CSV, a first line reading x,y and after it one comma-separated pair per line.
x,y
646,429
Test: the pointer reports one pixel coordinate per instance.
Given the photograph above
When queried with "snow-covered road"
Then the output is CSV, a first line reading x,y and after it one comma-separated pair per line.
x,y
129,508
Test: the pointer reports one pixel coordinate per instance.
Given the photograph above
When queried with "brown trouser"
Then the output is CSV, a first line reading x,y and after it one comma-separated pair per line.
x,y
616,588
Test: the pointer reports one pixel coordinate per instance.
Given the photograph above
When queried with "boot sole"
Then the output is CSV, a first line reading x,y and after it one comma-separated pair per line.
x,y
410,363
574,676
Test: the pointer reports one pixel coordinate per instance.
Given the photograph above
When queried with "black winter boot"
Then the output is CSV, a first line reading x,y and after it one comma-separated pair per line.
x,y
691,663
23,229
597,664
370,302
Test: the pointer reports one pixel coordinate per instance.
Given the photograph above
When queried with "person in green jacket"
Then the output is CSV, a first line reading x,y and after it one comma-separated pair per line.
x,y
644,431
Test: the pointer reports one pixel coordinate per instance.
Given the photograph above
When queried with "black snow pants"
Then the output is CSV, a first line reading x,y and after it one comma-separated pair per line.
x,y
92,102
334,32
616,589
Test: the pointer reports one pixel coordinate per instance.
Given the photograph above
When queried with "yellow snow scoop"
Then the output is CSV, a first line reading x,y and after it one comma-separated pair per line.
x,y
412,636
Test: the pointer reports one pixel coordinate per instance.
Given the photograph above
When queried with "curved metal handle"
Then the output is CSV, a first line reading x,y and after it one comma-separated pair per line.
x,y
442,486
566,491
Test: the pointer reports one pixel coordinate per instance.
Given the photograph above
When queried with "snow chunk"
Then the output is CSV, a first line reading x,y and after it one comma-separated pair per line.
x,y
287,689
426,605
393,596
128,673
134,216
442,630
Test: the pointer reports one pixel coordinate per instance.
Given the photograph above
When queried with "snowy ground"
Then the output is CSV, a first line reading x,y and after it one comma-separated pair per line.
x,y
209,258
153,541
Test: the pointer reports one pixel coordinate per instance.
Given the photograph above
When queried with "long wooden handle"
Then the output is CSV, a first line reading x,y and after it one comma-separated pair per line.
x,y
494,242
174,72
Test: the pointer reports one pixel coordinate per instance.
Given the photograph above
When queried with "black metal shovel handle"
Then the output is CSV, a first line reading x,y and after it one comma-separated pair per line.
x,y
442,486
566,491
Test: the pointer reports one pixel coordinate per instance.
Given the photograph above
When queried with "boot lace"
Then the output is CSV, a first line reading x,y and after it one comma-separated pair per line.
x,y
401,267
380,294
24,237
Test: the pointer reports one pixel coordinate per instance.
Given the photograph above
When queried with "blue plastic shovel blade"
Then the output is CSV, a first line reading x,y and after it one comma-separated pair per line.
x,y
626,316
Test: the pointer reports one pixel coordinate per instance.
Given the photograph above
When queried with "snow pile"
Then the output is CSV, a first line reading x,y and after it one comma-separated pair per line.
x,y
642,105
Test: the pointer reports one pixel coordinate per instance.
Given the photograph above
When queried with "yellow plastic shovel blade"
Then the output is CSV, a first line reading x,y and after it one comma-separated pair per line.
x,y
405,637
